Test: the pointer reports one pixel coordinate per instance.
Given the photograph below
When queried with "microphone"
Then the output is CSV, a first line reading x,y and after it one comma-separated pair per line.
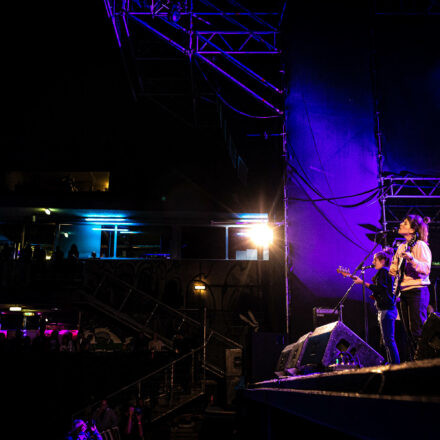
x,y
385,231
368,267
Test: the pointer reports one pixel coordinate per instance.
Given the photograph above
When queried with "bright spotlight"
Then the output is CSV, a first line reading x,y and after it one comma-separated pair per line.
x,y
47,211
15,309
261,235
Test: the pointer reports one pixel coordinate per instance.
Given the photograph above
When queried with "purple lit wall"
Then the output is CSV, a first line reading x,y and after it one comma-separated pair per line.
x,y
330,124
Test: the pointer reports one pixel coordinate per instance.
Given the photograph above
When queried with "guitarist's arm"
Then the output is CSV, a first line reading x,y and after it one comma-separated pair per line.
x,y
380,285
358,280
420,258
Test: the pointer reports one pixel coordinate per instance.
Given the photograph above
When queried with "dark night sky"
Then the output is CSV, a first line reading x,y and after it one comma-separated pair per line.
x,y
62,81
68,106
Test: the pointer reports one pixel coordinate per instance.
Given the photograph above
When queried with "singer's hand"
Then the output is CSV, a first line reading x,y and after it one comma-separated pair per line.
x,y
357,280
408,256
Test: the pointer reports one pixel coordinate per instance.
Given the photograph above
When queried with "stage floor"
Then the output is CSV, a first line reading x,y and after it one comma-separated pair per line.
x,y
375,402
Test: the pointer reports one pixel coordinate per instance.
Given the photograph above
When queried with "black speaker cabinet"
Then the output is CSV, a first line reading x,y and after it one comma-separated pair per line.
x,y
290,358
429,344
265,349
329,342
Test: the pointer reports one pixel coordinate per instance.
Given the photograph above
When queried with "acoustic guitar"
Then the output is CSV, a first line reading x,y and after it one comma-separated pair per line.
x,y
345,272
401,266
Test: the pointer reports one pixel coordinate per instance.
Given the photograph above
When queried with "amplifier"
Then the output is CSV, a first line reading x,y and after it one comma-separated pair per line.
x,y
322,316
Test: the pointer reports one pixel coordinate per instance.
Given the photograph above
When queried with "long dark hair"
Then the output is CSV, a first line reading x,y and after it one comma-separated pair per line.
x,y
420,225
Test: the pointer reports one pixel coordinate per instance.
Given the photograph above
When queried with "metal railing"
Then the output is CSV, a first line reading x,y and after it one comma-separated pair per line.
x,y
147,314
164,390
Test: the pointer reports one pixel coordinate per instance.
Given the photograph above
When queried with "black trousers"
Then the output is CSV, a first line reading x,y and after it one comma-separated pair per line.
x,y
413,308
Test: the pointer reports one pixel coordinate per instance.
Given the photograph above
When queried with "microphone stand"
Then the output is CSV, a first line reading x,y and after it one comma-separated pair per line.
x,y
364,303
340,304
341,301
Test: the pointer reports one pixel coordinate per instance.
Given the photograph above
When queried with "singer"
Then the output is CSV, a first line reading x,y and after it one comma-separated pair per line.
x,y
412,265
385,301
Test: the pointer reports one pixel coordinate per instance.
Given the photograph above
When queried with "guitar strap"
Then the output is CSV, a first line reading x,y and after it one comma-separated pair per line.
x,y
401,266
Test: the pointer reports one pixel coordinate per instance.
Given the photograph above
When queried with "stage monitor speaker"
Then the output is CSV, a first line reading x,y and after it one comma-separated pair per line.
x,y
263,352
290,357
330,343
429,344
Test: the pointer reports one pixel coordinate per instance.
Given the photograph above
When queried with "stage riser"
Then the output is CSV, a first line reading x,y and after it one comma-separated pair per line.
x,y
370,417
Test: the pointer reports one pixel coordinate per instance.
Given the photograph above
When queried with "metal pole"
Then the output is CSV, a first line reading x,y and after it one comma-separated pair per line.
x,y
378,135
286,241
364,302
204,349
172,382
192,367
115,242
227,243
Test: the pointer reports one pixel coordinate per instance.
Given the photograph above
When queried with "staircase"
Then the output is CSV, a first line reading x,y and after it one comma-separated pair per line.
x,y
177,383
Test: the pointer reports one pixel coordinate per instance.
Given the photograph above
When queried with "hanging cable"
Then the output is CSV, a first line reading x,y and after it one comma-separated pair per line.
x,y
330,199
332,224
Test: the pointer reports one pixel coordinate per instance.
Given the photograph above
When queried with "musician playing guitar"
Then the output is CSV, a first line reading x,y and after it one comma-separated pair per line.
x,y
384,300
411,266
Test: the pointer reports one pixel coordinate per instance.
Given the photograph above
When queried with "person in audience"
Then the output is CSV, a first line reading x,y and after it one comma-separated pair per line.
x,y
81,431
3,343
73,254
17,342
104,417
54,343
67,343
155,345
132,424
182,347
40,343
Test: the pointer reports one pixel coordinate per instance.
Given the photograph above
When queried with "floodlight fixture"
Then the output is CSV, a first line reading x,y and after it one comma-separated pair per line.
x,y
261,235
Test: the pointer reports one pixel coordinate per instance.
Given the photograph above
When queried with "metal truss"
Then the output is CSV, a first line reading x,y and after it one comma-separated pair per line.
x,y
230,70
410,195
225,36
412,187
